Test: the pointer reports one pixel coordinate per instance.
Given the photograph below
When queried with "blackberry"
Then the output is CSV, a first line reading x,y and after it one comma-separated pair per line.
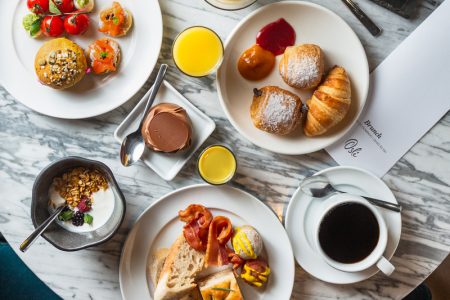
x,y
78,219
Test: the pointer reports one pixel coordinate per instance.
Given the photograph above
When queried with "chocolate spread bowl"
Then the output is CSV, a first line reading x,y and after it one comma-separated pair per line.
x,y
55,234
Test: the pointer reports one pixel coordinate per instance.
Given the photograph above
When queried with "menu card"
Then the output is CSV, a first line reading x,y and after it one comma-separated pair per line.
x,y
410,92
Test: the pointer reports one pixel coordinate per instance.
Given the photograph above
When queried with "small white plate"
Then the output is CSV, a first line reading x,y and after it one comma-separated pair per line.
x,y
158,226
303,209
313,24
167,165
94,94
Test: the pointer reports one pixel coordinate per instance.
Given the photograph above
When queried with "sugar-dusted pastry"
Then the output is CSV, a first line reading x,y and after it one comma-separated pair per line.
x,y
302,66
60,63
329,104
275,110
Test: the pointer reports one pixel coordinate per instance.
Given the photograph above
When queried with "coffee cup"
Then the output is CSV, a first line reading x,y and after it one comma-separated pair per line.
x,y
351,234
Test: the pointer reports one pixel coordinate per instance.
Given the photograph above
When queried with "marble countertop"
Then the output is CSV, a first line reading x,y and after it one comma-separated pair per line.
x,y
420,180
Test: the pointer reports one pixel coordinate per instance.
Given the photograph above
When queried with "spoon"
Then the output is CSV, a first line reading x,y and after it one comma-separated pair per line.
x,y
133,145
40,229
318,186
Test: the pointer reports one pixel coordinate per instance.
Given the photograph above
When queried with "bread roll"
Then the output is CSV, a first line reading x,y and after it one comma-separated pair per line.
x,y
329,104
275,110
60,63
302,66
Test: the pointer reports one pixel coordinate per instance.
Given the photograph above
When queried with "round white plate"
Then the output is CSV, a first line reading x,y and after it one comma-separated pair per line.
x,y
158,226
95,94
313,24
302,210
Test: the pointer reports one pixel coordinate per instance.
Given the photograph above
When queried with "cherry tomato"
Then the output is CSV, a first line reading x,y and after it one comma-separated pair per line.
x,y
76,24
52,26
38,6
65,6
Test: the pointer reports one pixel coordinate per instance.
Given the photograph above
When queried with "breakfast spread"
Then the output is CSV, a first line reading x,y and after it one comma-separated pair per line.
x,y
167,128
275,110
278,111
217,164
89,199
205,244
256,63
60,63
329,103
197,51
302,66
115,21
103,56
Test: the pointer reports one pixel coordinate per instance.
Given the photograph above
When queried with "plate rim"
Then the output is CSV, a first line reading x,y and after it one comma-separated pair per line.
x,y
264,145
134,228
291,204
11,90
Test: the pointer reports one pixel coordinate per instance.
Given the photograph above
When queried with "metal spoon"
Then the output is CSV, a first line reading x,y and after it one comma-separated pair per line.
x,y
133,145
40,229
319,186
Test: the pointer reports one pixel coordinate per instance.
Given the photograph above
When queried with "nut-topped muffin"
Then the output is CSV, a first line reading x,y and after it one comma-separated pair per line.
x,y
60,63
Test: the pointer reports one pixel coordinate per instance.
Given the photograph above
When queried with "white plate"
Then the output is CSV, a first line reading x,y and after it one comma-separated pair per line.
x,y
94,95
313,24
303,209
158,227
167,165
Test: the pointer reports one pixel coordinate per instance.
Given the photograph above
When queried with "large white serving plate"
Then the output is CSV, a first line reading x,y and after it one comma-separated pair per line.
x,y
94,95
313,24
159,226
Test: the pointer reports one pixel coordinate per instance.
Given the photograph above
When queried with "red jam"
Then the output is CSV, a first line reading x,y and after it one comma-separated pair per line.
x,y
276,36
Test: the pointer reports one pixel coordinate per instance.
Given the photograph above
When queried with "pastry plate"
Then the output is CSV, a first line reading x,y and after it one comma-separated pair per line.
x,y
158,226
313,24
94,94
303,209
167,165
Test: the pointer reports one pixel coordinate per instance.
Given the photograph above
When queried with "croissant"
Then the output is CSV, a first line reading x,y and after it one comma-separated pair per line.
x,y
329,103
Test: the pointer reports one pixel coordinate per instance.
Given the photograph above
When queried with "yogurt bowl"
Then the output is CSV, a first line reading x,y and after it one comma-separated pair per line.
x,y
108,211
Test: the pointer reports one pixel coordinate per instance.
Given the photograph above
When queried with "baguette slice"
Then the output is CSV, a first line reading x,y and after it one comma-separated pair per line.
x,y
220,286
156,264
180,270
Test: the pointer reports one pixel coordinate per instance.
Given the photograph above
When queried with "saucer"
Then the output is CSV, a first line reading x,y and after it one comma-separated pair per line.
x,y
303,209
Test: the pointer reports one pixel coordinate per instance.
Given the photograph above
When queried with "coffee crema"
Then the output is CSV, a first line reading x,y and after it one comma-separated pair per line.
x,y
349,232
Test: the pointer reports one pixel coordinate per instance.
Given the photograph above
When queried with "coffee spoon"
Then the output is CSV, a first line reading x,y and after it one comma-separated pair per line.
x,y
319,186
133,145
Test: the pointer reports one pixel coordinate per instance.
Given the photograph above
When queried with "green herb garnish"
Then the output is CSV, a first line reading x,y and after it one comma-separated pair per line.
x,y
103,54
115,20
88,219
65,215
32,24
222,289
82,3
53,8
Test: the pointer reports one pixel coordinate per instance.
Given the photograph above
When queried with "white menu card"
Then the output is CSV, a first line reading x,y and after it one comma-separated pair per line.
x,y
410,92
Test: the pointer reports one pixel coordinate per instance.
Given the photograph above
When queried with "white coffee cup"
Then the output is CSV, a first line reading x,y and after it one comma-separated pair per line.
x,y
375,257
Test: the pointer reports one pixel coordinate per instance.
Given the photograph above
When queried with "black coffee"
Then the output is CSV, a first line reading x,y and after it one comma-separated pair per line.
x,y
349,233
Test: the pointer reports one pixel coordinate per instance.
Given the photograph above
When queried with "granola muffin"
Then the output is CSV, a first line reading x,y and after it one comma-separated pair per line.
x,y
60,63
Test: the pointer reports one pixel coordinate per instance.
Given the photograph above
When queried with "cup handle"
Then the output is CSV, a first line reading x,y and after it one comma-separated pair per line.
x,y
385,266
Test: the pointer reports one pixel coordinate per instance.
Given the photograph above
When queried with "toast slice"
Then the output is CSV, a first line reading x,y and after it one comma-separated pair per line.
x,y
220,286
179,272
157,263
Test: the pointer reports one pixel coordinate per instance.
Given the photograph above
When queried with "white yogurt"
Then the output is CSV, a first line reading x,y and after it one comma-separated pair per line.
x,y
102,209
231,4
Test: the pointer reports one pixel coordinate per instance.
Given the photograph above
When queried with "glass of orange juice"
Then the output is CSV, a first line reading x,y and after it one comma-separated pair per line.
x,y
217,164
197,51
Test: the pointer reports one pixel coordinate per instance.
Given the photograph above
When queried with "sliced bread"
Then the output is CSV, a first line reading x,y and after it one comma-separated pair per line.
x,y
179,272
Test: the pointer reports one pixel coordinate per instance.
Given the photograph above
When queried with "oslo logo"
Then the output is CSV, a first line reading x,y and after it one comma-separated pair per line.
x,y
351,146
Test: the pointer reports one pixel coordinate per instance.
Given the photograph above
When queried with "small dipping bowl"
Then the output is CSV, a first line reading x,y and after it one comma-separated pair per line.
x,y
230,4
217,164
197,51
55,234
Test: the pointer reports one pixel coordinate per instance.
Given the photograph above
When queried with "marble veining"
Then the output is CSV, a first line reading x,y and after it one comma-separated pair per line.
x,y
420,180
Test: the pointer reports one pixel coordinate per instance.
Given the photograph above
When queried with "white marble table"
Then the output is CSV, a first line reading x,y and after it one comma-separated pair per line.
x,y
29,141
